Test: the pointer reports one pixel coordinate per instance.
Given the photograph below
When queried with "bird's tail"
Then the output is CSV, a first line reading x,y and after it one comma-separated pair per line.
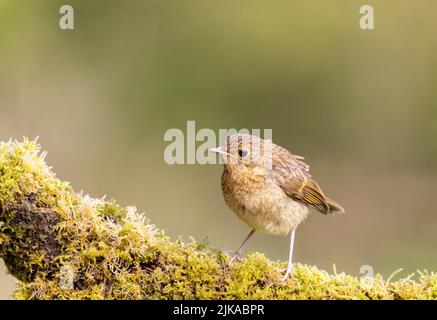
x,y
334,206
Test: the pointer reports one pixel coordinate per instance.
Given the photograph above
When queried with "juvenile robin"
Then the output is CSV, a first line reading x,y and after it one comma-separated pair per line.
x,y
269,188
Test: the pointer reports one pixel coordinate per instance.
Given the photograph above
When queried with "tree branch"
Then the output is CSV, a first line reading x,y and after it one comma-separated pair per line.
x,y
64,245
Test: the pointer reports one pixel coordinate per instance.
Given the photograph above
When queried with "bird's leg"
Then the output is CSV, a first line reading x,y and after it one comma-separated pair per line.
x,y
237,254
289,270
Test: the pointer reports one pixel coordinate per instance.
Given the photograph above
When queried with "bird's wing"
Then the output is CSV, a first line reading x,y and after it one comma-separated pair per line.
x,y
292,175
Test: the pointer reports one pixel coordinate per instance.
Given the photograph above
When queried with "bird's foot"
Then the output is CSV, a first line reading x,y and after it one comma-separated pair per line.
x,y
288,275
235,256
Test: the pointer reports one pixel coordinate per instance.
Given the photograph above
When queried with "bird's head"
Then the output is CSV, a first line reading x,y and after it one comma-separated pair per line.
x,y
246,152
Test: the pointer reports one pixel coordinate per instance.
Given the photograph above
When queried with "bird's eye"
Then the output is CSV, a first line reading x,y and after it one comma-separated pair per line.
x,y
242,153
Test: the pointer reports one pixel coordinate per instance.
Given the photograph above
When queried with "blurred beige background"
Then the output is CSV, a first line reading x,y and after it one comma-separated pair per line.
x,y
359,105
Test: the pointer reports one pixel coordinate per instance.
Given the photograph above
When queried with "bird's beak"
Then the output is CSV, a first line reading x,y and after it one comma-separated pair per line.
x,y
219,150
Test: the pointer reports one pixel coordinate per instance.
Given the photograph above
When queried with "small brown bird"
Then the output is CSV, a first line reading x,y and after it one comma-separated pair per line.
x,y
269,188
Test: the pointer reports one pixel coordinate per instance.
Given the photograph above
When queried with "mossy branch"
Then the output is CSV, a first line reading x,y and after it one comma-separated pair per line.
x,y
64,245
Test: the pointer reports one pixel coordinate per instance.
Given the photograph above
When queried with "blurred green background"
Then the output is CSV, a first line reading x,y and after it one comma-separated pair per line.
x,y
359,105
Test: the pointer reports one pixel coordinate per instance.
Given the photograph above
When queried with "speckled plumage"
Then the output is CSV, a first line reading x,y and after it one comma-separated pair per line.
x,y
261,203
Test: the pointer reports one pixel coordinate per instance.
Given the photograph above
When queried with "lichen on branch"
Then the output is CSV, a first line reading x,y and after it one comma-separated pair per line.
x,y
63,245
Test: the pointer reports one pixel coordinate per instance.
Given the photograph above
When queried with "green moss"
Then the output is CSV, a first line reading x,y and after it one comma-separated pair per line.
x,y
63,245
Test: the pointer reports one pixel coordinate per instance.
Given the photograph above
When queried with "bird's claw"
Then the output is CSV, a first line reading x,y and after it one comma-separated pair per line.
x,y
235,256
288,275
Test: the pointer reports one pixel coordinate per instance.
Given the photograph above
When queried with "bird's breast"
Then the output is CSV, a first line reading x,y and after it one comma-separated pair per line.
x,y
261,203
